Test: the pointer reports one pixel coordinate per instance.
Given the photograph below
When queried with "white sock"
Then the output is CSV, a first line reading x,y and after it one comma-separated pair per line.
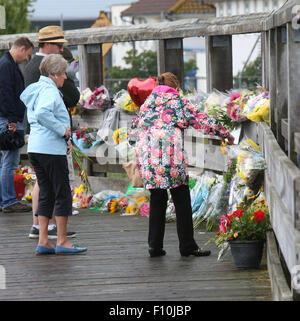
x,y
51,227
36,226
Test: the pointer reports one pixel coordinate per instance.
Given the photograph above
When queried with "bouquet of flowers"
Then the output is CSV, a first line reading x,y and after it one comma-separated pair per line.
x,y
257,107
235,105
197,99
120,135
216,107
261,112
108,201
77,156
86,137
24,180
81,197
123,101
98,99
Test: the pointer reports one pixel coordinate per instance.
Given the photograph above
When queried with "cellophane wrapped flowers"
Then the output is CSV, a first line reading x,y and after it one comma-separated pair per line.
x,y
98,99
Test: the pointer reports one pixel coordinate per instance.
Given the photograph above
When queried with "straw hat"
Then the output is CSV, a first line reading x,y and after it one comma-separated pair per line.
x,y
51,34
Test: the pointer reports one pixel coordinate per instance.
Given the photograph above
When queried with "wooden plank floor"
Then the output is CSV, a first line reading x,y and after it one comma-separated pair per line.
x,y
117,265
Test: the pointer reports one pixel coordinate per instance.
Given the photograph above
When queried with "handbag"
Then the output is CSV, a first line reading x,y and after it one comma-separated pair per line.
x,y
10,140
133,174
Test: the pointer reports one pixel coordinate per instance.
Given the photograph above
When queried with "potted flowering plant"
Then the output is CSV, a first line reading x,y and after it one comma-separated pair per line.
x,y
245,231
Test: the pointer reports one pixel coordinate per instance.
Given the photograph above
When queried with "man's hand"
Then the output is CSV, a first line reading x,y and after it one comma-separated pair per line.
x,y
12,126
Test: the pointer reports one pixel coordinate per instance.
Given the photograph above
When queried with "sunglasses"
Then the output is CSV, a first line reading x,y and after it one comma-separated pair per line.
x,y
59,45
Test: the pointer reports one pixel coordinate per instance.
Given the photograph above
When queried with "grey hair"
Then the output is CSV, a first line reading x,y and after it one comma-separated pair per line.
x,y
53,64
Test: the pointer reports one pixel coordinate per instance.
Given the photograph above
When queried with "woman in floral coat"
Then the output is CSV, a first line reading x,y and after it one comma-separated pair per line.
x,y
158,131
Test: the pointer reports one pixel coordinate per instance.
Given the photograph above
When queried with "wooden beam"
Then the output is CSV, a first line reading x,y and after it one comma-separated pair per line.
x,y
183,28
219,63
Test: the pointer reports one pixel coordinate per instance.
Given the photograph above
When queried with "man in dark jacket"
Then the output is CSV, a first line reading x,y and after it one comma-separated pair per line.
x,y
51,41
12,112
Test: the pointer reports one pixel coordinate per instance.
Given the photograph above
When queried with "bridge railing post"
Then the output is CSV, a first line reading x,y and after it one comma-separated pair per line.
x,y
219,62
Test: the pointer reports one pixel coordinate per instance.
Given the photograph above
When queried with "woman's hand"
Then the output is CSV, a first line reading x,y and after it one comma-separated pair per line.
x,y
67,134
70,146
230,139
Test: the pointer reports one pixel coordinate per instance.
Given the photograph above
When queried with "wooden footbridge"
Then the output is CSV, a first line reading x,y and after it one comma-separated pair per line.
x,y
116,266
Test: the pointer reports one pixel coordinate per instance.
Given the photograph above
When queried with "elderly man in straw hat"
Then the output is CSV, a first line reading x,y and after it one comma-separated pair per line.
x,y
51,41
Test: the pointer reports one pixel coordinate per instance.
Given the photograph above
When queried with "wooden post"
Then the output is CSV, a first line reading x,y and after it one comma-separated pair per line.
x,y
219,62
293,77
91,75
90,66
170,58
272,78
265,59
281,83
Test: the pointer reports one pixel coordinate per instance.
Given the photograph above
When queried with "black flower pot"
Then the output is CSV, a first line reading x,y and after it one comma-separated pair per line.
x,y
247,254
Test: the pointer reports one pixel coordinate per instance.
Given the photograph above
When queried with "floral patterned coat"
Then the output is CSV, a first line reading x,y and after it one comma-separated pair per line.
x,y
158,131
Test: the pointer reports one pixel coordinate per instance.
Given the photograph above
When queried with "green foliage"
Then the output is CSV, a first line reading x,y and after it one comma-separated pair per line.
x,y
17,16
250,77
189,65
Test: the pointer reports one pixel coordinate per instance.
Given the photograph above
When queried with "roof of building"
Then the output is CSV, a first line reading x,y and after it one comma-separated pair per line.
x,y
156,7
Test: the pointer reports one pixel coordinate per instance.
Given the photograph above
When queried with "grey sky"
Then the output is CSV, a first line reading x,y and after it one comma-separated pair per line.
x,y
70,9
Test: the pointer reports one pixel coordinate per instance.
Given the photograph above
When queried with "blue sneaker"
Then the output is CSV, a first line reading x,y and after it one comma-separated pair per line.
x,y
41,250
67,250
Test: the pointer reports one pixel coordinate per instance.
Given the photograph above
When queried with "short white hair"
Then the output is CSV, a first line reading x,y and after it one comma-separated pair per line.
x,y
53,64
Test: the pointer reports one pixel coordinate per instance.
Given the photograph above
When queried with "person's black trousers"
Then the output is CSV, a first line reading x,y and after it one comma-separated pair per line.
x,y
53,178
158,205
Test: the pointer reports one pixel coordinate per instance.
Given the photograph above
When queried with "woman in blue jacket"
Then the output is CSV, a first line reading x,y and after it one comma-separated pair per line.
x,y
48,145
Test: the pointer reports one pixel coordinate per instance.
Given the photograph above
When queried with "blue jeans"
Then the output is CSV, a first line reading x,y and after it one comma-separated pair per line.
x,y
8,164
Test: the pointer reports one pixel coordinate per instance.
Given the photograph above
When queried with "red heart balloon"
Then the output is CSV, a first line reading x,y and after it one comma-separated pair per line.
x,y
140,89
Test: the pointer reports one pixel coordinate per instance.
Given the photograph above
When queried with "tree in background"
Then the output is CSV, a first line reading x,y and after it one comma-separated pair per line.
x,y
16,16
142,65
251,75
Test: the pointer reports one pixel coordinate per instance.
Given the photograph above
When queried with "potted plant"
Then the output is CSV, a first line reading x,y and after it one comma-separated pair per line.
x,y
245,232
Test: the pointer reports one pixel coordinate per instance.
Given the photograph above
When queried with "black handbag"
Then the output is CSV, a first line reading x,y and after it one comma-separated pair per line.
x,y
10,140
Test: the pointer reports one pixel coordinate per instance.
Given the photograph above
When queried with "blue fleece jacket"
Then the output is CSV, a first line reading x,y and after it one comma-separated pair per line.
x,y
47,116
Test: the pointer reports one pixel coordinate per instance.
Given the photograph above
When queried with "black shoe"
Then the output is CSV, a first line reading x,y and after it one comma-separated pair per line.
x,y
33,233
156,252
197,252
52,234
17,208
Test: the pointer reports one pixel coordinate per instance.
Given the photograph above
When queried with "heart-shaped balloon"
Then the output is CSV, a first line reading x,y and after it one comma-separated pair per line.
x,y
140,89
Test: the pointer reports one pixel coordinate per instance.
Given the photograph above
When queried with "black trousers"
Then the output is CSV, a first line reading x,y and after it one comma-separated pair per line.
x,y
158,205
53,178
